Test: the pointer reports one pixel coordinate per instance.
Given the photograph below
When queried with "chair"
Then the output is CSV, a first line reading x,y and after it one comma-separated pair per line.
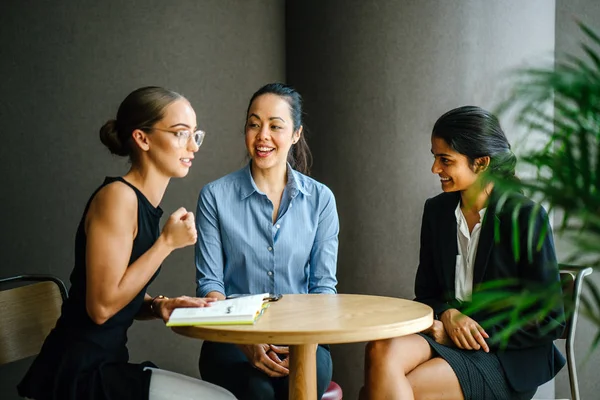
x,y
572,281
28,314
333,392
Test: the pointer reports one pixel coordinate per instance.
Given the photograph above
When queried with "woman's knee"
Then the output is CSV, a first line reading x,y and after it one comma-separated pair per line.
x,y
407,352
394,347
380,349
434,378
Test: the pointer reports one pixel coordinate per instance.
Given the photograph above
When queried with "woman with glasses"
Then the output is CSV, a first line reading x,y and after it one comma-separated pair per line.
x,y
118,252
266,228
468,240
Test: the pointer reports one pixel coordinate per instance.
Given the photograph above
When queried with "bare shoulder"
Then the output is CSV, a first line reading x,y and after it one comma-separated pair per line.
x,y
115,201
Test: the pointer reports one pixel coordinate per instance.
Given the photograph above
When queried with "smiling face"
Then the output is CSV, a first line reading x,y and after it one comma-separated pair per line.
x,y
270,132
454,169
162,147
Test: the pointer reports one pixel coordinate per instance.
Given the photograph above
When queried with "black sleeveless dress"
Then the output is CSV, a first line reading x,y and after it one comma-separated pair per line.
x,y
80,359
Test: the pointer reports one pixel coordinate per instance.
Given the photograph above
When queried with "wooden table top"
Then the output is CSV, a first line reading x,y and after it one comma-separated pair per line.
x,y
323,318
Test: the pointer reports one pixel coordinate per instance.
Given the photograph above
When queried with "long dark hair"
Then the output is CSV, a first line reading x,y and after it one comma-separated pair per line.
x,y
475,132
141,108
299,157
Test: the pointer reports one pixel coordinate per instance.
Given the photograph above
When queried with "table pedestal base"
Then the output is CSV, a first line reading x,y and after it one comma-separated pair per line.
x,y
303,372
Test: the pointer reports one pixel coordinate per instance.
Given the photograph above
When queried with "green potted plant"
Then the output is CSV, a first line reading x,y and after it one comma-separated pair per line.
x,y
562,103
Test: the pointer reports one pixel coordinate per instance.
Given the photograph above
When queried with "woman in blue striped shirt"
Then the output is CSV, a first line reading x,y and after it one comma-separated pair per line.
x,y
266,228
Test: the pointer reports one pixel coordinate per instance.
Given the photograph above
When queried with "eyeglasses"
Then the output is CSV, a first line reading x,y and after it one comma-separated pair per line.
x,y
182,136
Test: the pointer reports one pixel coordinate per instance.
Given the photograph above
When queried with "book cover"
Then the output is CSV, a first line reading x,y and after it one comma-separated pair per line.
x,y
239,311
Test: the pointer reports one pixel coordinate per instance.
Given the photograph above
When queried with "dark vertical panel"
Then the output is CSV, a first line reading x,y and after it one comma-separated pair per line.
x,y
65,66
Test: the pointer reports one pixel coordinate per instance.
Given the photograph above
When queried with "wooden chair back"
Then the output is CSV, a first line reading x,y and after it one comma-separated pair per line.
x,y
28,314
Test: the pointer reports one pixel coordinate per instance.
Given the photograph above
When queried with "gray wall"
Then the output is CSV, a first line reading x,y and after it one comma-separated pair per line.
x,y
568,35
375,76
65,67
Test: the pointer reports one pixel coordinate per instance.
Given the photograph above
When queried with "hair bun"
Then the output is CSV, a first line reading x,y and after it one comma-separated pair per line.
x,y
109,136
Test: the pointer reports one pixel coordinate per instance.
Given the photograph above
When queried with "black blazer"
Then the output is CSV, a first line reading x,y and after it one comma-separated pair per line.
x,y
530,357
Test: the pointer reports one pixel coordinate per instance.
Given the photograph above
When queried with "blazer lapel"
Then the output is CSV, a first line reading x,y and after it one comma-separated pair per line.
x,y
448,240
486,243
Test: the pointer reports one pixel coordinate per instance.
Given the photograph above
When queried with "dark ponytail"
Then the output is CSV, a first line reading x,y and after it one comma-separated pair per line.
x,y
141,108
299,157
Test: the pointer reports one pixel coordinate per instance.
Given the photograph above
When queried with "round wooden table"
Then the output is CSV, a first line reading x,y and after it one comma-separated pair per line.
x,y
304,320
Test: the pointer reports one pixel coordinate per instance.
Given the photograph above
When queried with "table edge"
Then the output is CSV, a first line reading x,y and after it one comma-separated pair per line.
x,y
298,338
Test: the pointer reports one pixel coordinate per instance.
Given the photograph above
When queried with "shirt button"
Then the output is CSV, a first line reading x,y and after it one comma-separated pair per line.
x,y
269,273
277,226
269,248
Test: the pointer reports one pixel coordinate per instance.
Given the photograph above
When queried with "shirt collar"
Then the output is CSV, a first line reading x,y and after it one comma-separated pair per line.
x,y
460,218
293,186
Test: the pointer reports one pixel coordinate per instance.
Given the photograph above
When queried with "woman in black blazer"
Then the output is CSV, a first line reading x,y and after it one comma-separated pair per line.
x,y
454,358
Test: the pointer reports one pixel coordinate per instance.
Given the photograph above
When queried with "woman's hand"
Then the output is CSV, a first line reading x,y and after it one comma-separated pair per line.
x,y
266,358
280,354
464,331
164,307
438,333
180,229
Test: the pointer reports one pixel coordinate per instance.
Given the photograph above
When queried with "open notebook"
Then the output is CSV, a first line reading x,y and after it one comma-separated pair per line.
x,y
239,311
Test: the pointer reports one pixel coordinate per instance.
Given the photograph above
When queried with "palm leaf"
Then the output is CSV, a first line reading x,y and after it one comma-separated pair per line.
x,y
589,32
561,102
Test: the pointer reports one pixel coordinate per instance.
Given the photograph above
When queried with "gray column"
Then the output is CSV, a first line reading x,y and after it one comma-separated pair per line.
x,y
375,76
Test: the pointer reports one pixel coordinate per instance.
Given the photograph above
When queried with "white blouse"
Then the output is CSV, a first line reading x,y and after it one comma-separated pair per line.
x,y
467,250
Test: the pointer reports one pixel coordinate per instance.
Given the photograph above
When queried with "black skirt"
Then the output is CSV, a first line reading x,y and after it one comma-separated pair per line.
x,y
480,374
84,371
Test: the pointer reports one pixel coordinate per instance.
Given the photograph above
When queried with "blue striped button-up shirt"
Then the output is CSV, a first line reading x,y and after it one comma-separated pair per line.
x,y
241,250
